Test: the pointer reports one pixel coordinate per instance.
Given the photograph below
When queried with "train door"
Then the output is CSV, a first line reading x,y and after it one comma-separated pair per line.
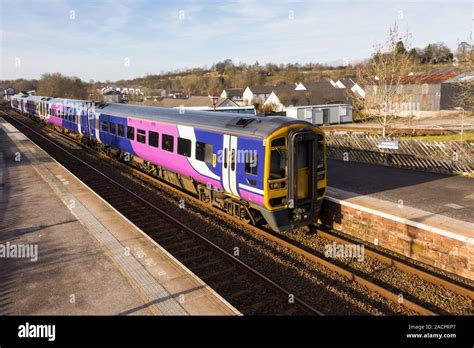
x,y
229,164
302,146
326,116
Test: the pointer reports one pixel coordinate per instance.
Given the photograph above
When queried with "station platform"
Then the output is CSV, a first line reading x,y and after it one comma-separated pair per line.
x,y
438,240
439,194
65,251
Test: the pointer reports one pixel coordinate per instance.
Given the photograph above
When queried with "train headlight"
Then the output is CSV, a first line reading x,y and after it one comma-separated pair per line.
x,y
277,185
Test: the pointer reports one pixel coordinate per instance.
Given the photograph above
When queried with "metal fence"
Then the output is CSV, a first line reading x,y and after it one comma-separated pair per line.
x,y
449,157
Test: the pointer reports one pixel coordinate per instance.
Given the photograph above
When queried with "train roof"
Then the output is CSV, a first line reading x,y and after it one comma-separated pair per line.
x,y
222,121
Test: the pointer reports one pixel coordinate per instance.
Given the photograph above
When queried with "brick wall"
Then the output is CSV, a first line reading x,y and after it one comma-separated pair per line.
x,y
443,252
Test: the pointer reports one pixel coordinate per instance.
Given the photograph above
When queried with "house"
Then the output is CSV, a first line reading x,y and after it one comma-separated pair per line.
x,y
111,95
196,102
322,114
316,93
204,103
260,94
154,93
234,94
351,84
253,95
175,94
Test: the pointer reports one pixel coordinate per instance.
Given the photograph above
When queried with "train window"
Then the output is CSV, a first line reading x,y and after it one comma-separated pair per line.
x,y
130,133
278,142
277,164
104,126
153,139
167,142
120,130
232,160
112,127
141,136
225,158
251,163
184,147
204,152
320,153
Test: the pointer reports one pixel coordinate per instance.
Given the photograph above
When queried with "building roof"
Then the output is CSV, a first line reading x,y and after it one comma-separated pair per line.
x,y
430,78
314,96
325,84
461,78
348,82
193,101
111,92
234,92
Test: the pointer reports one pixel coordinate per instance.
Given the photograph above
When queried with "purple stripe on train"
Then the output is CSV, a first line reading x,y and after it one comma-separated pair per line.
x,y
169,160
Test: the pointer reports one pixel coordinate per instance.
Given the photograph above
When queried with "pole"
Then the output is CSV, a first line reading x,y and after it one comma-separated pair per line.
x,y
462,127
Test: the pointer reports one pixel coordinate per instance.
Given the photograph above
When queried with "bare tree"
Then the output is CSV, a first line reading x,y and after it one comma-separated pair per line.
x,y
464,96
59,85
382,78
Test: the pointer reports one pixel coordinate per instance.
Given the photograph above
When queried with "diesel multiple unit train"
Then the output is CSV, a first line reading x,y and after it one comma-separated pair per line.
x,y
255,168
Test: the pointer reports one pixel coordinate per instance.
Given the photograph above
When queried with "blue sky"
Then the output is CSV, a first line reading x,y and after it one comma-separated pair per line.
x,y
115,39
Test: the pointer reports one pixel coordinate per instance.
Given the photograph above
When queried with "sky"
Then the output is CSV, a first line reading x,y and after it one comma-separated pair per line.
x,y
114,39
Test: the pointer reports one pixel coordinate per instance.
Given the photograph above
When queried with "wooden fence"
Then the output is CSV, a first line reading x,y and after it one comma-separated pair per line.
x,y
449,157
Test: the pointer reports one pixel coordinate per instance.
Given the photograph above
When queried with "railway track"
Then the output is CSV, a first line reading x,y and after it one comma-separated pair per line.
x,y
283,242
456,286
246,288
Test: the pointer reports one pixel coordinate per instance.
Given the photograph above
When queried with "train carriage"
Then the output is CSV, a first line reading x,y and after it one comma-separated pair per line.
x,y
254,168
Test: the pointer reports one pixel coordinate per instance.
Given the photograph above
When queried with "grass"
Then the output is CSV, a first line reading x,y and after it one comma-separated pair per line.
x,y
468,136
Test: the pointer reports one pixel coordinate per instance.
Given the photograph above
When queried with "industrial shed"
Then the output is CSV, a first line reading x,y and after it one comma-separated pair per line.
x,y
322,114
452,88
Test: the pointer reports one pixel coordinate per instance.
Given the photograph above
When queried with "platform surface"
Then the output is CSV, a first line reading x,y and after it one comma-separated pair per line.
x,y
438,203
436,194
89,258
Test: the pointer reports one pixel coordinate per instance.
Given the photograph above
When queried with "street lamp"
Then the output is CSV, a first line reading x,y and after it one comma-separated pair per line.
x,y
462,121
214,100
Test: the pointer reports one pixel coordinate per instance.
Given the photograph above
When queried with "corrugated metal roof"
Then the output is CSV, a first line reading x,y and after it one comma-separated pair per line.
x,y
432,78
469,76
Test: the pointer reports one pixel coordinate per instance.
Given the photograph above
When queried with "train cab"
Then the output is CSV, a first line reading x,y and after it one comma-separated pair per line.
x,y
295,176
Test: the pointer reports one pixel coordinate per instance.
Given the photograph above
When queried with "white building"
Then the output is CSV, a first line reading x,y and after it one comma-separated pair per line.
x,y
253,95
234,94
275,102
322,114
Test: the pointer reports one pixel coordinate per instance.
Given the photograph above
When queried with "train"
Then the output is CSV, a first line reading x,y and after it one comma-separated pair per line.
x,y
259,169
